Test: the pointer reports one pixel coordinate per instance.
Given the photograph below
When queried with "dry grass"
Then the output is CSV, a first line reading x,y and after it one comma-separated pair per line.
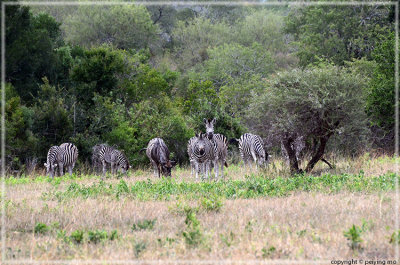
x,y
304,225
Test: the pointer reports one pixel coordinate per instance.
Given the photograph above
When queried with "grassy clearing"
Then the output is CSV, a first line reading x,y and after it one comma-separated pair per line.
x,y
251,187
249,215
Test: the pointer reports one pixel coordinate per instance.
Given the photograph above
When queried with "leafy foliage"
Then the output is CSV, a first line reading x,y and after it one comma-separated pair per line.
x,y
124,26
353,235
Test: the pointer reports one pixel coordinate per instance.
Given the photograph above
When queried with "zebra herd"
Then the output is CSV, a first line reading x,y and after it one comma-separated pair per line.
x,y
210,149
205,150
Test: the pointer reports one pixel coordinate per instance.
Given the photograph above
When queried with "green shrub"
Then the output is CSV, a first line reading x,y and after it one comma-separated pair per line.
x,y
213,203
139,247
353,235
144,225
267,252
97,236
228,239
113,235
77,236
395,238
192,235
41,228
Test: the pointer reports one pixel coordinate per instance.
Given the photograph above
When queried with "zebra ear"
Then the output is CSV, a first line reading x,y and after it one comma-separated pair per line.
x,y
205,120
213,121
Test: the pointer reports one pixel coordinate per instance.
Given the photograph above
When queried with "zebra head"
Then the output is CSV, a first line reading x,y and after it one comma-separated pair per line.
x,y
200,145
166,167
50,168
209,127
124,164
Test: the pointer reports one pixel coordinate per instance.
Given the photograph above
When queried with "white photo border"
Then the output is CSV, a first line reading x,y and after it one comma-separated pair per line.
x,y
186,3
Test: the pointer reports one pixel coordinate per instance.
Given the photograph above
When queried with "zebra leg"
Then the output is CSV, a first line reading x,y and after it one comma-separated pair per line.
x,y
155,168
112,168
216,169
61,169
70,168
104,167
197,171
222,169
253,155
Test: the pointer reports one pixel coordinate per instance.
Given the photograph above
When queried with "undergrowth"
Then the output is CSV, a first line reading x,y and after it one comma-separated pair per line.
x,y
251,187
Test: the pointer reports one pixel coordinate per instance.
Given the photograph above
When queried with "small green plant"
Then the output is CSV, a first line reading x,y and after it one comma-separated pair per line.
x,y
367,225
41,228
353,235
77,236
249,226
62,235
145,224
138,248
267,252
213,203
395,238
228,239
97,236
113,235
192,234
301,232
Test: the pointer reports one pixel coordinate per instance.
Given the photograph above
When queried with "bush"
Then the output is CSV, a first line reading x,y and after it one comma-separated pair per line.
x,y
97,236
144,225
41,228
192,235
353,235
213,203
395,238
77,236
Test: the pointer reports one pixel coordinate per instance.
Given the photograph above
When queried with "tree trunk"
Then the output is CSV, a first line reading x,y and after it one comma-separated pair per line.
x,y
294,165
318,153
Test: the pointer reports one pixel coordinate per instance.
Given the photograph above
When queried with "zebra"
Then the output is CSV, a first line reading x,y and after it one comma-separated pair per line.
x,y
192,159
204,152
59,156
220,142
110,155
96,162
251,146
158,153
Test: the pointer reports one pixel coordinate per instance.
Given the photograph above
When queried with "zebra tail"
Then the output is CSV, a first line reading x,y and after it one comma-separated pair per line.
x,y
234,141
142,150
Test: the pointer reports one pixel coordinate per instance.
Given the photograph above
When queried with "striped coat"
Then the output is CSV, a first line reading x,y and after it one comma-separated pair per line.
x,y
110,155
220,143
61,156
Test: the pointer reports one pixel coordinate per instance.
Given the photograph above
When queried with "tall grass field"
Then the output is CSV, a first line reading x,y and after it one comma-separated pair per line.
x,y
260,215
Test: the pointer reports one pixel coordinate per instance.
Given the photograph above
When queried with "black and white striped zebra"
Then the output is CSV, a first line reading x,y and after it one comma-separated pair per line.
x,y
203,152
251,147
192,159
158,153
110,155
96,162
221,144
61,156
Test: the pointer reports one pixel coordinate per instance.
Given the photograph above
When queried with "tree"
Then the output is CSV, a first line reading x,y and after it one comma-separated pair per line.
x,y
193,38
229,63
314,103
321,32
380,103
30,50
124,26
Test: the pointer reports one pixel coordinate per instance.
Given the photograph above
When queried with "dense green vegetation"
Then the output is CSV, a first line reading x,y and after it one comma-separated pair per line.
x,y
124,74
251,187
